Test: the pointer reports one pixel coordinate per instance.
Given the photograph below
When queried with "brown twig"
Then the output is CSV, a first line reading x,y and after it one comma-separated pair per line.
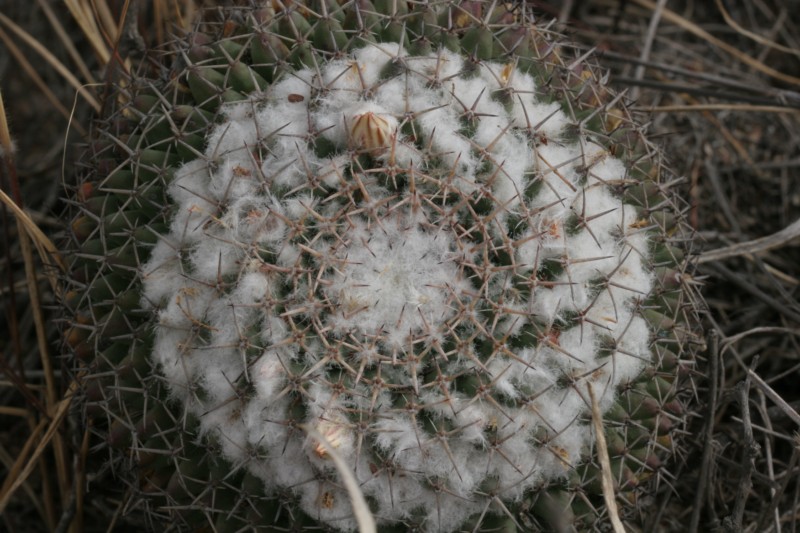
x,y
778,496
747,285
769,444
733,522
762,244
749,108
754,36
712,81
708,432
696,30
650,36
774,396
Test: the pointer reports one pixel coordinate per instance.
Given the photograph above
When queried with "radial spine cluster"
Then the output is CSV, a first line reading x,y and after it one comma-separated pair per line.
x,y
419,259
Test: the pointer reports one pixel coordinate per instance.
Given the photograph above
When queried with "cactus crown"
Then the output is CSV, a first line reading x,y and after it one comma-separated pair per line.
x,y
401,226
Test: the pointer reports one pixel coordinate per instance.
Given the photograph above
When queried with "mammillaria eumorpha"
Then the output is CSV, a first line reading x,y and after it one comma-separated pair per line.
x,y
424,249
428,284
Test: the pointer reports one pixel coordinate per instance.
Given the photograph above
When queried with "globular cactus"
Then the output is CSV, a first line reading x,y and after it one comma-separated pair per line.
x,y
423,230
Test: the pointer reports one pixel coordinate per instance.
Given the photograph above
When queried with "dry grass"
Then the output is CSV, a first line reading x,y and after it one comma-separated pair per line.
x,y
720,77
42,455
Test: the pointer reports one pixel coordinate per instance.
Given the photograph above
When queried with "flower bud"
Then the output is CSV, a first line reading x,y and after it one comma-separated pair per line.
x,y
372,131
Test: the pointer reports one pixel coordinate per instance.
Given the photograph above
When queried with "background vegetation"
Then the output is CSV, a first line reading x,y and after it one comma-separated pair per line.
x,y
720,80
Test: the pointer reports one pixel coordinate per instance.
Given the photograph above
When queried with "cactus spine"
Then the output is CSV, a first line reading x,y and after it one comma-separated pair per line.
x,y
421,230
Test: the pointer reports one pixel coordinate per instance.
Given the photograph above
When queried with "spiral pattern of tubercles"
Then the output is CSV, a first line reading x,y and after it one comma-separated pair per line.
x,y
398,260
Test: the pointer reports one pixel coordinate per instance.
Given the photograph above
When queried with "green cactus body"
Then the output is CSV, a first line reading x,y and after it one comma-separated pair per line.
x,y
417,229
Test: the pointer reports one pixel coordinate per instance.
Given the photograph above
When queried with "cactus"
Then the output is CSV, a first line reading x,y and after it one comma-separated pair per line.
x,y
423,230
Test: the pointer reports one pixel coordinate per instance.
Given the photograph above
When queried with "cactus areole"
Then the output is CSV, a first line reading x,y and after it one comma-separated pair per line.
x,y
423,231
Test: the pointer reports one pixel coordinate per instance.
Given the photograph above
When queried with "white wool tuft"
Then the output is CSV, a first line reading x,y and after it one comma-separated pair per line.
x,y
394,280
